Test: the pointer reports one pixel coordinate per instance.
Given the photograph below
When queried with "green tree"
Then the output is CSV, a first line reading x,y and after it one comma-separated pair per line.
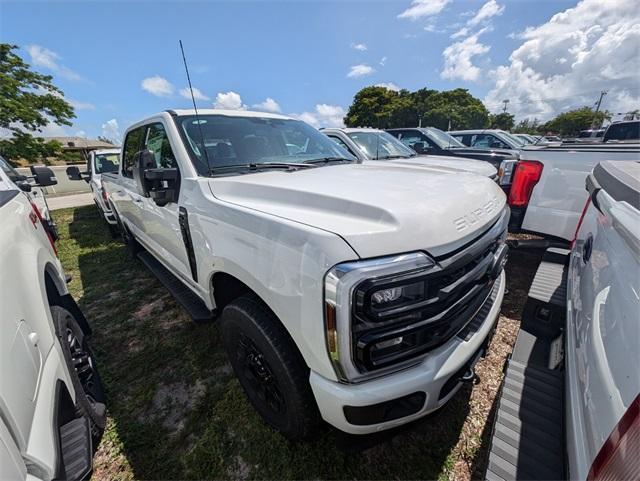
x,y
570,123
503,120
383,108
28,102
527,126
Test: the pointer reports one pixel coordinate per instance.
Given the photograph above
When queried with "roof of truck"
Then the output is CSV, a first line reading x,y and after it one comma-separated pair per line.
x,y
229,113
348,130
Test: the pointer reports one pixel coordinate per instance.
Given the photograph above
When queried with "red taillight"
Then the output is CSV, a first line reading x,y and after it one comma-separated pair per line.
x,y
44,226
619,457
525,176
105,196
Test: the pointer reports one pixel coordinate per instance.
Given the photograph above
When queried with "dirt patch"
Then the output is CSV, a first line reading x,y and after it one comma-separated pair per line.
x,y
172,403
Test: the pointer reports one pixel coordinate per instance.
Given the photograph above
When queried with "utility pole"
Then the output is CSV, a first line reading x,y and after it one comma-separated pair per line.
x,y
419,121
595,115
505,102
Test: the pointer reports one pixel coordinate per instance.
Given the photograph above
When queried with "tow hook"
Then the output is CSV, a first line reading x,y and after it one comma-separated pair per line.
x,y
468,376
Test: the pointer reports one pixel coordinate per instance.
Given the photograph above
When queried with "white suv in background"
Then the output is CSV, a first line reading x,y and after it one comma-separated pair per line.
x,y
52,411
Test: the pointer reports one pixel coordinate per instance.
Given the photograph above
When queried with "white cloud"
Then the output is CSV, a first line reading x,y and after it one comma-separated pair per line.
x,y
324,115
81,133
229,101
111,130
389,85
197,94
158,86
48,59
269,105
458,58
76,104
383,61
566,62
359,46
464,31
488,10
360,70
423,8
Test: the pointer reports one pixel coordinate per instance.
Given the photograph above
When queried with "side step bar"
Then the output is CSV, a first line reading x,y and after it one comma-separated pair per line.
x,y
528,432
188,299
76,449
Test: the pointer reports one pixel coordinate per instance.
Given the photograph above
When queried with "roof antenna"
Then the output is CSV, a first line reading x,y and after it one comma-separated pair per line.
x,y
193,99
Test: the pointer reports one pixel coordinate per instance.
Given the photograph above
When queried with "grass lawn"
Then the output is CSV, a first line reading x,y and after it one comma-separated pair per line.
x,y
176,411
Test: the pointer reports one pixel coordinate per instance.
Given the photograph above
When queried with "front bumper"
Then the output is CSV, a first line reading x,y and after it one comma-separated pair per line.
x,y
424,383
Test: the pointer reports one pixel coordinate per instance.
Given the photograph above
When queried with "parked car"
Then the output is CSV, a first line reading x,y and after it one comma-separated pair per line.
x,y
358,294
570,401
488,138
625,131
32,187
100,161
52,410
547,191
429,140
377,145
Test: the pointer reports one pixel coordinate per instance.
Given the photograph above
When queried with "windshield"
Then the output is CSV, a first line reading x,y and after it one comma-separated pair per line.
x,y
240,141
512,138
443,139
379,145
107,163
10,171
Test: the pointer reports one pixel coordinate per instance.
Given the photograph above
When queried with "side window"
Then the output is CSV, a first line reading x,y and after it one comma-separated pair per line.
x,y
341,143
464,139
132,145
158,143
409,138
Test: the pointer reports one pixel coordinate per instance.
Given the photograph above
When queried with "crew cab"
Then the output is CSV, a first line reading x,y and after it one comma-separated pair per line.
x,y
429,140
361,294
623,131
52,410
99,162
372,144
570,401
547,194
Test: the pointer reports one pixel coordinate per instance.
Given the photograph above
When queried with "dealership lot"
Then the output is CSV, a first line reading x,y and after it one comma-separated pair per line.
x,y
176,411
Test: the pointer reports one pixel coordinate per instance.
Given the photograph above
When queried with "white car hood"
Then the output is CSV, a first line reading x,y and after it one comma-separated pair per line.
x,y
447,163
378,209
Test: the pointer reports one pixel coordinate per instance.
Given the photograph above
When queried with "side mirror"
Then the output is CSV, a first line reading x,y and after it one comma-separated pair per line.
x,y
43,176
144,160
73,173
163,182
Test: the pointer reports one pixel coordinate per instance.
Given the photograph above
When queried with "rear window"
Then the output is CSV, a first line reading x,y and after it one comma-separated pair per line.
x,y
623,131
107,163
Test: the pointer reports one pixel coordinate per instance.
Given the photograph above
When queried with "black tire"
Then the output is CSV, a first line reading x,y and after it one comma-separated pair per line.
x,y
269,367
87,384
113,230
133,246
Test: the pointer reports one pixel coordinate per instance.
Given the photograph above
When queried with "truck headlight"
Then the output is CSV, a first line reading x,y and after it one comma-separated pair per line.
x,y
382,291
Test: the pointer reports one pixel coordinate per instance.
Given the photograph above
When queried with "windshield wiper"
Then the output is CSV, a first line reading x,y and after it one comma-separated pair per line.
x,y
390,157
328,160
255,166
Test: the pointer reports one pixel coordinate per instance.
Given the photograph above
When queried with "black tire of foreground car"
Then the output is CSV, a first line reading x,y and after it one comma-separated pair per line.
x,y
87,383
270,368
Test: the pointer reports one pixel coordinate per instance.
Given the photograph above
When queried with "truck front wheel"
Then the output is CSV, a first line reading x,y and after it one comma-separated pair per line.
x,y
269,367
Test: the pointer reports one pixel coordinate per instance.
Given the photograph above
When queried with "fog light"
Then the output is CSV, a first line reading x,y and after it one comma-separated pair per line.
x,y
386,295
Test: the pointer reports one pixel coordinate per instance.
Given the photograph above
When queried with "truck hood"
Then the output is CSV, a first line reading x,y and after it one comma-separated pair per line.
x,y
378,209
447,164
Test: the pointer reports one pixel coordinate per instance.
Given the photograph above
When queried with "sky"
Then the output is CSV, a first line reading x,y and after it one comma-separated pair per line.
x,y
118,62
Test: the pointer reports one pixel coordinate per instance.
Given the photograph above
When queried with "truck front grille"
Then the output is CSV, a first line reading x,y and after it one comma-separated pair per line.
x,y
457,287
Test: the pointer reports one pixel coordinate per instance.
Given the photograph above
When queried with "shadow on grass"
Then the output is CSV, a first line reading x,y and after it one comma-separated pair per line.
x,y
177,412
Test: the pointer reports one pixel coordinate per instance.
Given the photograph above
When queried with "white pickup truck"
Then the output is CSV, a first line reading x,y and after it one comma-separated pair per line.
x,y
358,294
570,401
99,162
547,192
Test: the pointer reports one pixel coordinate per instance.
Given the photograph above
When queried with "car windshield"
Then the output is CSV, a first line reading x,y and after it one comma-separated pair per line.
x,y
10,171
379,145
624,131
107,163
511,139
231,141
443,139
